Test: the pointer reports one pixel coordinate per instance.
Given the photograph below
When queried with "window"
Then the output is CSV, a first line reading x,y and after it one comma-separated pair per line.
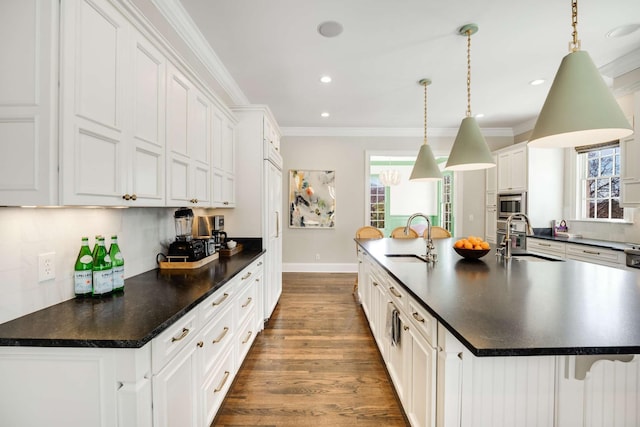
x,y
377,202
599,173
447,202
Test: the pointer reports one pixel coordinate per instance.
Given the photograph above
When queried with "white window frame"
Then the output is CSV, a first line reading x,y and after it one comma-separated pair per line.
x,y
578,195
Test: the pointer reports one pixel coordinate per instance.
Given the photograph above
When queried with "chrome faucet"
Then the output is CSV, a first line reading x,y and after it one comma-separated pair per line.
x,y
505,245
430,255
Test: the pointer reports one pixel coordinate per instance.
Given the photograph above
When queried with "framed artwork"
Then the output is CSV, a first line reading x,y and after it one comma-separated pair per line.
x,y
312,199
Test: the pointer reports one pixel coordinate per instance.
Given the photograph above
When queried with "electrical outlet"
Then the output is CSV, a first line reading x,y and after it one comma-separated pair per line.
x,y
317,257
46,266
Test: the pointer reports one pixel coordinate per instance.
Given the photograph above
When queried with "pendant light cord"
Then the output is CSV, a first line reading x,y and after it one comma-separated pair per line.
x,y
469,73
574,44
425,112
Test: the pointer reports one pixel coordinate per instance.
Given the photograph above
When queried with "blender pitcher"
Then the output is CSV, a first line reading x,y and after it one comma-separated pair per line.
x,y
183,219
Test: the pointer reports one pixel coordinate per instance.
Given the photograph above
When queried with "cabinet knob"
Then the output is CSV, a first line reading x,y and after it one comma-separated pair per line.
x,y
200,344
134,197
126,197
225,203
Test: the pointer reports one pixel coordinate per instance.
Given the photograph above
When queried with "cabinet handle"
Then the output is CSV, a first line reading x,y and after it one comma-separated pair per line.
x,y
126,197
375,283
185,332
545,244
394,292
221,300
277,224
194,200
417,317
246,276
222,335
225,203
224,380
247,303
248,336
134,197
590,252
406,328
460,355
260,263
200,344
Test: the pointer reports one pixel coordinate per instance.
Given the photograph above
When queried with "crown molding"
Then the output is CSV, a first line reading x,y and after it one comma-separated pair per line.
x,y
386,132
181,22
622,65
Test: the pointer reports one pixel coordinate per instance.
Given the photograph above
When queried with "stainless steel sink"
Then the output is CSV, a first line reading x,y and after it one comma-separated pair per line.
x,y
406,258
529,257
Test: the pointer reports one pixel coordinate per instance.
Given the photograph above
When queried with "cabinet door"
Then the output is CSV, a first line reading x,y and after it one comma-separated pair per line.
x,y
28,102
504,171
272,225
491,177
421,383
175,390
630,169
397,362
490,226
199,148
519,169
147,186
223,162
94,160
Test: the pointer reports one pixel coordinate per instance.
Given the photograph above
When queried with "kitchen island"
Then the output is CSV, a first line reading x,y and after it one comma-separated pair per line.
x,y
525,341
162,353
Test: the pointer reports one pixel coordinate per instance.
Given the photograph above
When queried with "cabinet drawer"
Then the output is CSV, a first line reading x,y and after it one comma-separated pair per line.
x,y
217,302
596,255
217,337
546,247
216,385
397,293
246,336
246,301
173,339
423,321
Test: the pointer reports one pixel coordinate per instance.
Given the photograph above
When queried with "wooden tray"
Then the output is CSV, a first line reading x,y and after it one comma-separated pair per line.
x,y
230,252
165,265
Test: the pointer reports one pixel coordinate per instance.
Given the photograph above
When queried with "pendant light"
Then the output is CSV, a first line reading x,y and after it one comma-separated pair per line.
x,y
470,150
425,168
389,177
579,109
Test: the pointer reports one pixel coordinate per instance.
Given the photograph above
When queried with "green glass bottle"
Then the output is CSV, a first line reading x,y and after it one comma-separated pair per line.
x,y
117,261
102,271
83,271
95,246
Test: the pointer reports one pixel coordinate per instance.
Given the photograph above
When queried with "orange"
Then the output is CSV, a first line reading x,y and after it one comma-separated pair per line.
x,y
468,245
485,245
459,244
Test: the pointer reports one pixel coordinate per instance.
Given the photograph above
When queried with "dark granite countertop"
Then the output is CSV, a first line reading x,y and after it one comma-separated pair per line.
x,y
616,246
517,308
151,302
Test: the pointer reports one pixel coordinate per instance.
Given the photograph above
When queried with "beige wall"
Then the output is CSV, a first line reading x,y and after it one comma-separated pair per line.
x,y
346,155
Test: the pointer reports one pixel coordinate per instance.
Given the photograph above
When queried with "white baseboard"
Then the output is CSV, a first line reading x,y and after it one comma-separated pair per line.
x,y
319,268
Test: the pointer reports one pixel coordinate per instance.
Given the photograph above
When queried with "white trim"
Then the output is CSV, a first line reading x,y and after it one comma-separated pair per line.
x,y
181,22
387,132
319,268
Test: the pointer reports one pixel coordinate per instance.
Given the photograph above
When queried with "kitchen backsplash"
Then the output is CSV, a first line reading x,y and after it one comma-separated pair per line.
x,y
616,232
26,233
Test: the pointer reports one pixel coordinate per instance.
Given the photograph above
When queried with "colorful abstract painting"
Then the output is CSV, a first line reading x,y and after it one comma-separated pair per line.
x,y
312,199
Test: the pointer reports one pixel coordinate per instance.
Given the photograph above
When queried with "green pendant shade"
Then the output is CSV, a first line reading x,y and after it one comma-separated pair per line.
x,y
579,109
470,150
425,168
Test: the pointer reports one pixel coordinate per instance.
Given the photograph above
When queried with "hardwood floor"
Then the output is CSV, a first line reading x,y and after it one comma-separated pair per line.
x,y
315,364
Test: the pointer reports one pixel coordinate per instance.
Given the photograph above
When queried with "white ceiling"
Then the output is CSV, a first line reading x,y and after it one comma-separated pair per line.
x,y
276,57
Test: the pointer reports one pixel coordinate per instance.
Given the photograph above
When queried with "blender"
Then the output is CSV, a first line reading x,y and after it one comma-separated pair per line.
x,y
185,248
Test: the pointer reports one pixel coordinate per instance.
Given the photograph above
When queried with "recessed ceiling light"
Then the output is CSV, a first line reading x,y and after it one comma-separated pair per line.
x,y
330,29
623,30
537,82
325,79
325,114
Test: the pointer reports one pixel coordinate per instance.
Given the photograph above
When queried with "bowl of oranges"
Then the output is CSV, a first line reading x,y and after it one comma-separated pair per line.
x,y
471,247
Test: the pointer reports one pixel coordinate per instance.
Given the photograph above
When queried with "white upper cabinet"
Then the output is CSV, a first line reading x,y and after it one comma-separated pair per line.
x,y
223,161
113,103
630,167
188,122
512,169
28,102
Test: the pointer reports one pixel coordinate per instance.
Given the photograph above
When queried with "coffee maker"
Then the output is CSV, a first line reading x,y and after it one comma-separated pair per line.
x,y
185,247
217,232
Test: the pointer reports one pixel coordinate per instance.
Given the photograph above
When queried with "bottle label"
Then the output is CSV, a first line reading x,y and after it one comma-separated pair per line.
x,y
118,277
102,282
83,282
86,259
